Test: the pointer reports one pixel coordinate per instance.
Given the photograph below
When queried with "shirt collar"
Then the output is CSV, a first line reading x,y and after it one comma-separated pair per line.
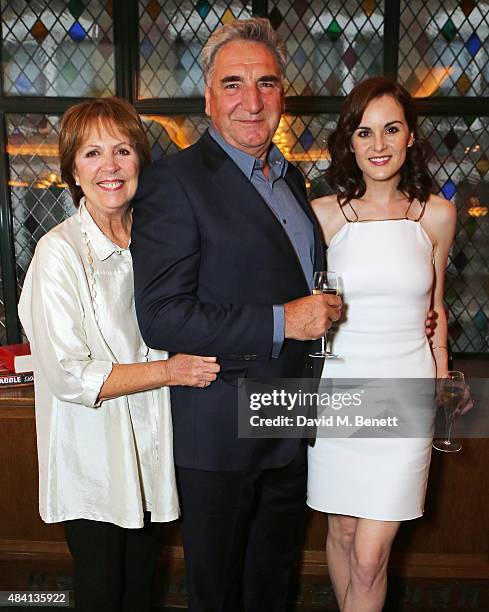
x,y
247,163
101,245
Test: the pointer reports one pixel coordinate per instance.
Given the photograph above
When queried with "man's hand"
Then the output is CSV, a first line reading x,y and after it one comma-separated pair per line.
x,y
309,317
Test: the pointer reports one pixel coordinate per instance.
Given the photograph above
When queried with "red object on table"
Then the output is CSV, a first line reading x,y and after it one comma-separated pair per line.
x,y
8,354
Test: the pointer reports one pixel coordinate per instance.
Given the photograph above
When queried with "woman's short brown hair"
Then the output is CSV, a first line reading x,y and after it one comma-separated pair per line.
x,y
111,113
343,174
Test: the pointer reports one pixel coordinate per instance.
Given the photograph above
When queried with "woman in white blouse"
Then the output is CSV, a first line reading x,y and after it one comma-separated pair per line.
x,y
102,400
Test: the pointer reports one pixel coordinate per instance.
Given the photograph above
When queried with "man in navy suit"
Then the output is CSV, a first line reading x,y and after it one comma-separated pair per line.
x,y
224,247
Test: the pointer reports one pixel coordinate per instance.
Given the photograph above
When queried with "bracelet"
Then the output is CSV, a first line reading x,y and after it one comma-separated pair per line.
x,y
433,348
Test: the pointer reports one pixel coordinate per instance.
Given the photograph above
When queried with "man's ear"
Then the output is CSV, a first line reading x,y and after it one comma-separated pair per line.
x,y
207,95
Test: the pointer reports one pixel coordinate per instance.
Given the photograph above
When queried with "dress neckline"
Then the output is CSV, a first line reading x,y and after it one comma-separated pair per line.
x,y
366,221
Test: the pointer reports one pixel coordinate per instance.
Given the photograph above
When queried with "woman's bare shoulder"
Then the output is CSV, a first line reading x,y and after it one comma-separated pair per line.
x,y
439,220
439,210
330,216
326,201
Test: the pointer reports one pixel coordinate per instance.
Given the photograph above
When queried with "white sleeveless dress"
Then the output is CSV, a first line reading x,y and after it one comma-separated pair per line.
x,y
386,268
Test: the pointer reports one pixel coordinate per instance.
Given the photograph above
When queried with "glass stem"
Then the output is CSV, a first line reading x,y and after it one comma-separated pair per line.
x,y
449,423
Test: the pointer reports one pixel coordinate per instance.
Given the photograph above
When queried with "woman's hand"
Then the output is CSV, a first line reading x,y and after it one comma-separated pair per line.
x,y
191,370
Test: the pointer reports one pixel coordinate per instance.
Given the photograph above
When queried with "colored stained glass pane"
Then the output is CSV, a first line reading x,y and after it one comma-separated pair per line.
x,y
449,190
467,6
227,16
463,84
333,30
444,48
203,8
76,32
153,9
474,44
39,31
76,8
40,39
369,6
449,30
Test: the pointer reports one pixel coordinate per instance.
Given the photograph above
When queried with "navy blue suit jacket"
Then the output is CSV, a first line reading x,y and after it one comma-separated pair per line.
x,y
210,259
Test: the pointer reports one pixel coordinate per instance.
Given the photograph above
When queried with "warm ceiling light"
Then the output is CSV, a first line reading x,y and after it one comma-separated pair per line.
x,y
431,80
478,211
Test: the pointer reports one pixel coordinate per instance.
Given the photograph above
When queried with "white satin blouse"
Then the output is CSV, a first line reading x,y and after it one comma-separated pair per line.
x,y
105,461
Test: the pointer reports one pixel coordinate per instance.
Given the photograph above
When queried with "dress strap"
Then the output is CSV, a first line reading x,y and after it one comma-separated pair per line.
x,y
423,208
407,209
342,206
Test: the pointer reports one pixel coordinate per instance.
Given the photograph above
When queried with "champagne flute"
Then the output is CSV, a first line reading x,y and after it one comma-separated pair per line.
x,y
325,282
450,392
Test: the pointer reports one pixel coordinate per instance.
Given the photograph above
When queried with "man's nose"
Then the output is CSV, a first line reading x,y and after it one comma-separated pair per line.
x,y
251,99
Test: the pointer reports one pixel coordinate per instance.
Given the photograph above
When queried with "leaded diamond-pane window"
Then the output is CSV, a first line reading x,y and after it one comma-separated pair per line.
x,y
444,47
331,45
168,135
39,199
302,140
57,48
171,36
461,169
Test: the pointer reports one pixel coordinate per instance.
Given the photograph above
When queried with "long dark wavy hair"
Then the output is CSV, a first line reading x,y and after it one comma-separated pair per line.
x,y
345,176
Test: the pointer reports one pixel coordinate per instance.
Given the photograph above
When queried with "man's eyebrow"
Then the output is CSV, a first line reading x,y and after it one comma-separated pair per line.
x,y
232,78
269,78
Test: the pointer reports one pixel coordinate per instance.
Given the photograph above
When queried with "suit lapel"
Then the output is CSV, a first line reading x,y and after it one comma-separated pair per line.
x,y
239,190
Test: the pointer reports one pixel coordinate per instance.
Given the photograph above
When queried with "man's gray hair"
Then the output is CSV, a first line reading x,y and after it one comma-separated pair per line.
x,y
255,29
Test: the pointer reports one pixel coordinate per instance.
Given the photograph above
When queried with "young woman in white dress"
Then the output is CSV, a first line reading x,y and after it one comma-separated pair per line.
x,y
388,237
